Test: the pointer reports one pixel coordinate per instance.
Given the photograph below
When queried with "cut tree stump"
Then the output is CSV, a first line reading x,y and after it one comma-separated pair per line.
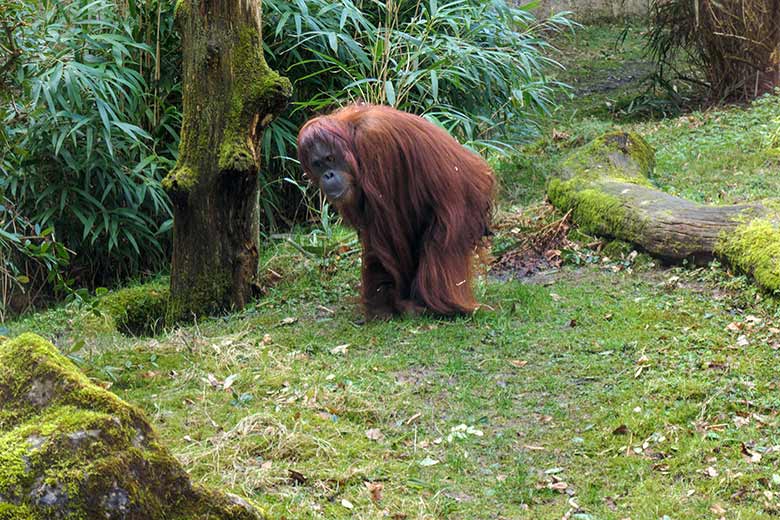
x,y
606,185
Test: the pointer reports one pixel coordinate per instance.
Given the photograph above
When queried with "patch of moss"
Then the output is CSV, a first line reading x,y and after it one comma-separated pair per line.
x,y
138,310
257,89
620,156
773,204
754,248
179,181
74,450
208,294
593,210
14,512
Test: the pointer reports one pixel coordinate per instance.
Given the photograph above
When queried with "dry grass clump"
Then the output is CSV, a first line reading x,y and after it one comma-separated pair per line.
x,y
734,45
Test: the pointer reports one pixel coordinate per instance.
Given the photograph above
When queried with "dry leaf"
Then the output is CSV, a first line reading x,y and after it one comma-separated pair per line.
x,y
742,341
374,434
288,321
375,490
735,326
750,454
341,349
229,381
517,363
558,486
718,509
297,477
346,503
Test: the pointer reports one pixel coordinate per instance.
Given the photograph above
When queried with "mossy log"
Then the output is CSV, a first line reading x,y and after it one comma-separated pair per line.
x,y
230,95
607,187
72,450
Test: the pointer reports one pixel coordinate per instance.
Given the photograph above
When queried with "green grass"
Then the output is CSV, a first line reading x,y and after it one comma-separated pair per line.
x,y
608,390
550,375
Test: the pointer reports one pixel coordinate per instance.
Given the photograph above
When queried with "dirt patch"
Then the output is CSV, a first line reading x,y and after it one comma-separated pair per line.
x,y
536,251
600,82
415,376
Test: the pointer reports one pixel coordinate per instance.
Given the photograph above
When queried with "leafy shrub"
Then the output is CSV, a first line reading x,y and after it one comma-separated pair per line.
x,y
30,258
92,124
473,66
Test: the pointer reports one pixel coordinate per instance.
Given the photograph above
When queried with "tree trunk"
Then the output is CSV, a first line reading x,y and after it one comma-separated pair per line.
x,y
606,186
230,95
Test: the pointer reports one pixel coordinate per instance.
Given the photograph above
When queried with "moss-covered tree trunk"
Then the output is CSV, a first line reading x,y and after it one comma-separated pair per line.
x,y
230,95
606,185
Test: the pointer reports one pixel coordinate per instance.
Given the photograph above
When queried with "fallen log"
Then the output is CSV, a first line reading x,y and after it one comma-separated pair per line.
x,y
607,186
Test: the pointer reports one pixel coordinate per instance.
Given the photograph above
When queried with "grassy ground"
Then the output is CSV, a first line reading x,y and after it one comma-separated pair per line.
x,y
611,388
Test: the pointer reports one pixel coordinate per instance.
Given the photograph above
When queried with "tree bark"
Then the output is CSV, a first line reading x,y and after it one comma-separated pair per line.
x,y
230,95
606,184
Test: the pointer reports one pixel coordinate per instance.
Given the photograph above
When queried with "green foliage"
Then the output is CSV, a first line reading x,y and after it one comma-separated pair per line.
x,y
137,310
91,126
29,258
475,67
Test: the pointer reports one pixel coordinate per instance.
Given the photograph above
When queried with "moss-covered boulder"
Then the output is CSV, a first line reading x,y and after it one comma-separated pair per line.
x,y
138,310
71,450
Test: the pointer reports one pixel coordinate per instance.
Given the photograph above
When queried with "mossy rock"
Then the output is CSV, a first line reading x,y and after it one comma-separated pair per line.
x,y
139,310
72,450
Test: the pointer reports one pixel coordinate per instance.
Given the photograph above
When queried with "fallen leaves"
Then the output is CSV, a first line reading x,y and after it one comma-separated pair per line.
x,y
375,491
428,462
374,434
643,364
750,454
340,349
225,385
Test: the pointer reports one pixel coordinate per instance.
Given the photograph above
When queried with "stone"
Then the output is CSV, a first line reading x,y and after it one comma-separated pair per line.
x,y
72,450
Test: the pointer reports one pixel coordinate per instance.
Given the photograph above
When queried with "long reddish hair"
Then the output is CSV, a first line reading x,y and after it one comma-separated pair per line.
x,y
425,201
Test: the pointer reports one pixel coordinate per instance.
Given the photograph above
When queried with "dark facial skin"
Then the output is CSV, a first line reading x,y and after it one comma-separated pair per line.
x,y
330,170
